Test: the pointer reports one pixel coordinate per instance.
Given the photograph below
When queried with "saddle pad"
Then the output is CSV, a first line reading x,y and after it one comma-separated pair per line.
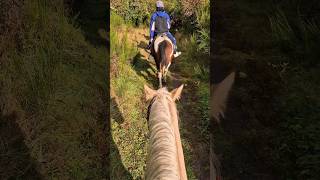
x,y
158,40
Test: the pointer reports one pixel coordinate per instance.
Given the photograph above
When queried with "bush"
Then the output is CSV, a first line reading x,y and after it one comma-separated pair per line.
x,y
297,37
296,31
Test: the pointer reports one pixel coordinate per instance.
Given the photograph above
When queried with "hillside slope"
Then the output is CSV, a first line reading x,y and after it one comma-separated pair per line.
x,y
54,94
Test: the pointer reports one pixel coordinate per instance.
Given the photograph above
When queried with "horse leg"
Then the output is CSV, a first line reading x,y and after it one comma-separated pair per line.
x,y
166,71
160,79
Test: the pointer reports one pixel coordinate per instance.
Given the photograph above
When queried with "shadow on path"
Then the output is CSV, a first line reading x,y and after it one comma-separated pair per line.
x,y
15,159
117,170
144,69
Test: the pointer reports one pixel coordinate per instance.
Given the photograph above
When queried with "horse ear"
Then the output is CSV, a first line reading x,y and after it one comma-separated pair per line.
x,y
175,94
149,93
219,96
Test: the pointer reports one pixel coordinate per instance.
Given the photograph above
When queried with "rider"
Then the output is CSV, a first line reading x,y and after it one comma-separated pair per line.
x,y
160,23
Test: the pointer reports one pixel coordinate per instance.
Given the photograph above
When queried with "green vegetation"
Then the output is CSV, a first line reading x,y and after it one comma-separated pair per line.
x,y
131,69
55,81
128,120
299,38
138,12
271,129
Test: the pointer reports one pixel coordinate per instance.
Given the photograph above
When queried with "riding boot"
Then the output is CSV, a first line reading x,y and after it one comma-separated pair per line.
x,y
175,52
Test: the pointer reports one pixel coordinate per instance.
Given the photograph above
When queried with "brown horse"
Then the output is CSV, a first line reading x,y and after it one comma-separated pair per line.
x,y
162,51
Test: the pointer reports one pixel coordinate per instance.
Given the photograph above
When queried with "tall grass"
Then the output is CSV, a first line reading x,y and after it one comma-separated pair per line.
x,y
58,79
299,39
139,12
128,112
203,25
193,61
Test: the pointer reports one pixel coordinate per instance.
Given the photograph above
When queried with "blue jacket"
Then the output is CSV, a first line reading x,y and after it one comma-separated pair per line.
x,y
153,19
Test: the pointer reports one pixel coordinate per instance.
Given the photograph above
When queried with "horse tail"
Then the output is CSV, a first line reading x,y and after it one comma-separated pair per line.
x,y
162,47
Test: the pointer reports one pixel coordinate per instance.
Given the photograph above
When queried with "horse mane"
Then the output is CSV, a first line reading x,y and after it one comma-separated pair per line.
x,y
163,156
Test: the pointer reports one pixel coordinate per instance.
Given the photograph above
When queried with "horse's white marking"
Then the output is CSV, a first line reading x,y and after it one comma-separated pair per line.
x,y
160,78
158,40
168,66
172,49
167,69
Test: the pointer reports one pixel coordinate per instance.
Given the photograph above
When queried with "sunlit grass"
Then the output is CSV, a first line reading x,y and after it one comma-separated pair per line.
x,y
129,136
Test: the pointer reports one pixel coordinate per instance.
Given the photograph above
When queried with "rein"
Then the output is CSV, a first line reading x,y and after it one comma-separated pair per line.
x,y
149,107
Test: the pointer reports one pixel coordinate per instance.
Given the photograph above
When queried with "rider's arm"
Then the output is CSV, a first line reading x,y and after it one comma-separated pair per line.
x,y
168,21
152,26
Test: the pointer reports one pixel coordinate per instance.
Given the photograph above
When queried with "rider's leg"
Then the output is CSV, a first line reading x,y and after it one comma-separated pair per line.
x,y
175,52
171,37
151,42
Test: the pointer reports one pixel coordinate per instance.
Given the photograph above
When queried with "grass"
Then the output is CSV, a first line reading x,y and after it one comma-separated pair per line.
x,y
297,39
128,108
129,125
297,132
59,86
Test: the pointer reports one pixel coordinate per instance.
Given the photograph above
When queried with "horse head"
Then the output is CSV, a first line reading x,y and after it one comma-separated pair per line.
x,y
219,96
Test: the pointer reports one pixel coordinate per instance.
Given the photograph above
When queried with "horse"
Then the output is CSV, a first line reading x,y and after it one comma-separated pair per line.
x,y
165,155
162,51
219,96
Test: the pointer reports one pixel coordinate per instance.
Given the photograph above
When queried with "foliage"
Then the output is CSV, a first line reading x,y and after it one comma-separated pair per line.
x,y
203,25
191,53
299,38
275,105
139,11
192,16
299,130
57,80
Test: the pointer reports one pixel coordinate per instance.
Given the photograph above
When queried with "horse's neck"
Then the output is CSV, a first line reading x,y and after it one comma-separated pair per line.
x,y
163,156
182,168
166,149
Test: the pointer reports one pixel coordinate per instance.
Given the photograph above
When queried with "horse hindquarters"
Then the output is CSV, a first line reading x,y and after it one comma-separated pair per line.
x,y
164,60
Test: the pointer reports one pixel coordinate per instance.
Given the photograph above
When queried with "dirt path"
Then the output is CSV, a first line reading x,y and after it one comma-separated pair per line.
x,y
196,149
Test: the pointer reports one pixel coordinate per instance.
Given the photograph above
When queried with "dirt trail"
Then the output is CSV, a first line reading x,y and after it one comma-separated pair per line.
x,y
194,146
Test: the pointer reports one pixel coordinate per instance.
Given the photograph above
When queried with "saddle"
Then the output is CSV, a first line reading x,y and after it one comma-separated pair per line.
x,y
159,39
